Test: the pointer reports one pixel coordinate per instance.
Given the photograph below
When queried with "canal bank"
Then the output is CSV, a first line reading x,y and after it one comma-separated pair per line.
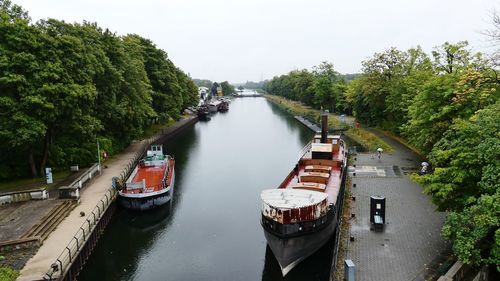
x,y
212,229
56,257
355,133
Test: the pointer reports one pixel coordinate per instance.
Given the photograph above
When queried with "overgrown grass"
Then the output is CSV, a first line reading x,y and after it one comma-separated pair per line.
x,y
32,183
367,139
8,274
344,231
402,141
155,128
314,115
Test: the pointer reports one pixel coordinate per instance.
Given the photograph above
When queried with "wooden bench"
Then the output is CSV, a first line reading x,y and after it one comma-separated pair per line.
x,y
315,177
318,168
310,186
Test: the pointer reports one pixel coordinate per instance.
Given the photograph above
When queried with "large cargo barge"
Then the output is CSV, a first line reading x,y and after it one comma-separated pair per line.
x,y
301,215
151,183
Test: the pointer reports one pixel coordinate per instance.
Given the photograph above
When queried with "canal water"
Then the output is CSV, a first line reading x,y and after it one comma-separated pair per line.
x,y
211,231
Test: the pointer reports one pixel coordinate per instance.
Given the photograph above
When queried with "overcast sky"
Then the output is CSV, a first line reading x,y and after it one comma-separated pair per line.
x,y
240,40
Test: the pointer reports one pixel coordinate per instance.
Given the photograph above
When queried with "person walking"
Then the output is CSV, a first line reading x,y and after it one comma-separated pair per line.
x,y
379,152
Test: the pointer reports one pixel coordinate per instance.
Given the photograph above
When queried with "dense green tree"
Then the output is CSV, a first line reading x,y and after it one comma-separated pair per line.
x,y
322,88
227,88
329,87
466,183
64,86
20,129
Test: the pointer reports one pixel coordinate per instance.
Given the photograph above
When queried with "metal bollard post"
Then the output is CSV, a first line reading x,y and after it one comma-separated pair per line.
x,y
349,270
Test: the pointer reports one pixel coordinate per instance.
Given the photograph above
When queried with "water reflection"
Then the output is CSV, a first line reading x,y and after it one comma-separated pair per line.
x,y
290,121
121,260
316,267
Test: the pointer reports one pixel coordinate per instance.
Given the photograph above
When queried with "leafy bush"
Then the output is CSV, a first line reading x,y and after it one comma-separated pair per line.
x,y
8,274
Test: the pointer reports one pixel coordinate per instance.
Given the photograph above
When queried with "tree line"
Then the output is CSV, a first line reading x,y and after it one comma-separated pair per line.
x,y
64,86
447,105
227,88
323,87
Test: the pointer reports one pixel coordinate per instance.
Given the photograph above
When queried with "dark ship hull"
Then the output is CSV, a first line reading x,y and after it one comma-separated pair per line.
x,y
291,250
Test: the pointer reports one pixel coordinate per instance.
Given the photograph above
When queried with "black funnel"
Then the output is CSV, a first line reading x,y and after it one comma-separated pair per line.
x,y
324,126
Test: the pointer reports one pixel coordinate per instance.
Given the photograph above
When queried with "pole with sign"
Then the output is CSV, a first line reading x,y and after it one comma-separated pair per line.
x,y
48,175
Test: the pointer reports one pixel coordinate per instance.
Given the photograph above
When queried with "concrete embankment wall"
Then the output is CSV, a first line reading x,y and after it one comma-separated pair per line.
x,y
26,195
171,132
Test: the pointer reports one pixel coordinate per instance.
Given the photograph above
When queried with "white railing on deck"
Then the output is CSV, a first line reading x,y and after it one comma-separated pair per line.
x,y
305,149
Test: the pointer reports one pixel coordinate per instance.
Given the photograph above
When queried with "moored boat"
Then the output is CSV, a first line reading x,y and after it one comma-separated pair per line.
x,y
213,106
151,183
224,106
300,216
203,112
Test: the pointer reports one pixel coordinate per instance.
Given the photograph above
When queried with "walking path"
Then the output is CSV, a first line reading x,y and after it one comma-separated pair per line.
x,y
411,240
38,265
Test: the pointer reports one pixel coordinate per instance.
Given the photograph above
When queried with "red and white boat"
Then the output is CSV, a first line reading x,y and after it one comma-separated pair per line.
x,y
301,215
151,183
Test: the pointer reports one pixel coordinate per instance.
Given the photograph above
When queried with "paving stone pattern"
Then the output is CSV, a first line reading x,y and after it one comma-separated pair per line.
x,y
411,238
17,218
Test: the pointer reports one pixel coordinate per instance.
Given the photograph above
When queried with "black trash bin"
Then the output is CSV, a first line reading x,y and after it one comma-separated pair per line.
x,y
377,212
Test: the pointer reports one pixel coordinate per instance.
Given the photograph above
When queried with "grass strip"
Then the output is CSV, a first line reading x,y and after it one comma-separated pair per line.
x,y
8,274
367,139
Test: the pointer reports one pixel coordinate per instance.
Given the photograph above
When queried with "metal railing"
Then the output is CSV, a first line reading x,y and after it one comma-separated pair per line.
x,y
305,149
70,252
78,183
138,156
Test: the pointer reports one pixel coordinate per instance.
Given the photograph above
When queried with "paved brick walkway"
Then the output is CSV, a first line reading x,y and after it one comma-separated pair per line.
x,y
17,218
411,238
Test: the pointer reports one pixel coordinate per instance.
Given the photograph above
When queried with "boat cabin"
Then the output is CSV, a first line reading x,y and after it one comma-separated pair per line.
x,y
154,156
155,149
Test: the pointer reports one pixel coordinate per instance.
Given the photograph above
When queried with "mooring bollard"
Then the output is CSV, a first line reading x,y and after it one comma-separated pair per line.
x,y
349,270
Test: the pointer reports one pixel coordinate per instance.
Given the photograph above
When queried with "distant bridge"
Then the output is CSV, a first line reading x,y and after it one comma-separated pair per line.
x,y
247,95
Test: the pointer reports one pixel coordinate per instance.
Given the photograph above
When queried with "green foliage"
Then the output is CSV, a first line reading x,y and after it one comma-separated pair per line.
x,y
8,274
321,88
466,160
368,140
466,183
227,88
381,96
65,85
203,83
254,85
475,231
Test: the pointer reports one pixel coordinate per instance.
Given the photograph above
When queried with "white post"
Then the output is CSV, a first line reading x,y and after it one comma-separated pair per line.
x,y
48,175
98,158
